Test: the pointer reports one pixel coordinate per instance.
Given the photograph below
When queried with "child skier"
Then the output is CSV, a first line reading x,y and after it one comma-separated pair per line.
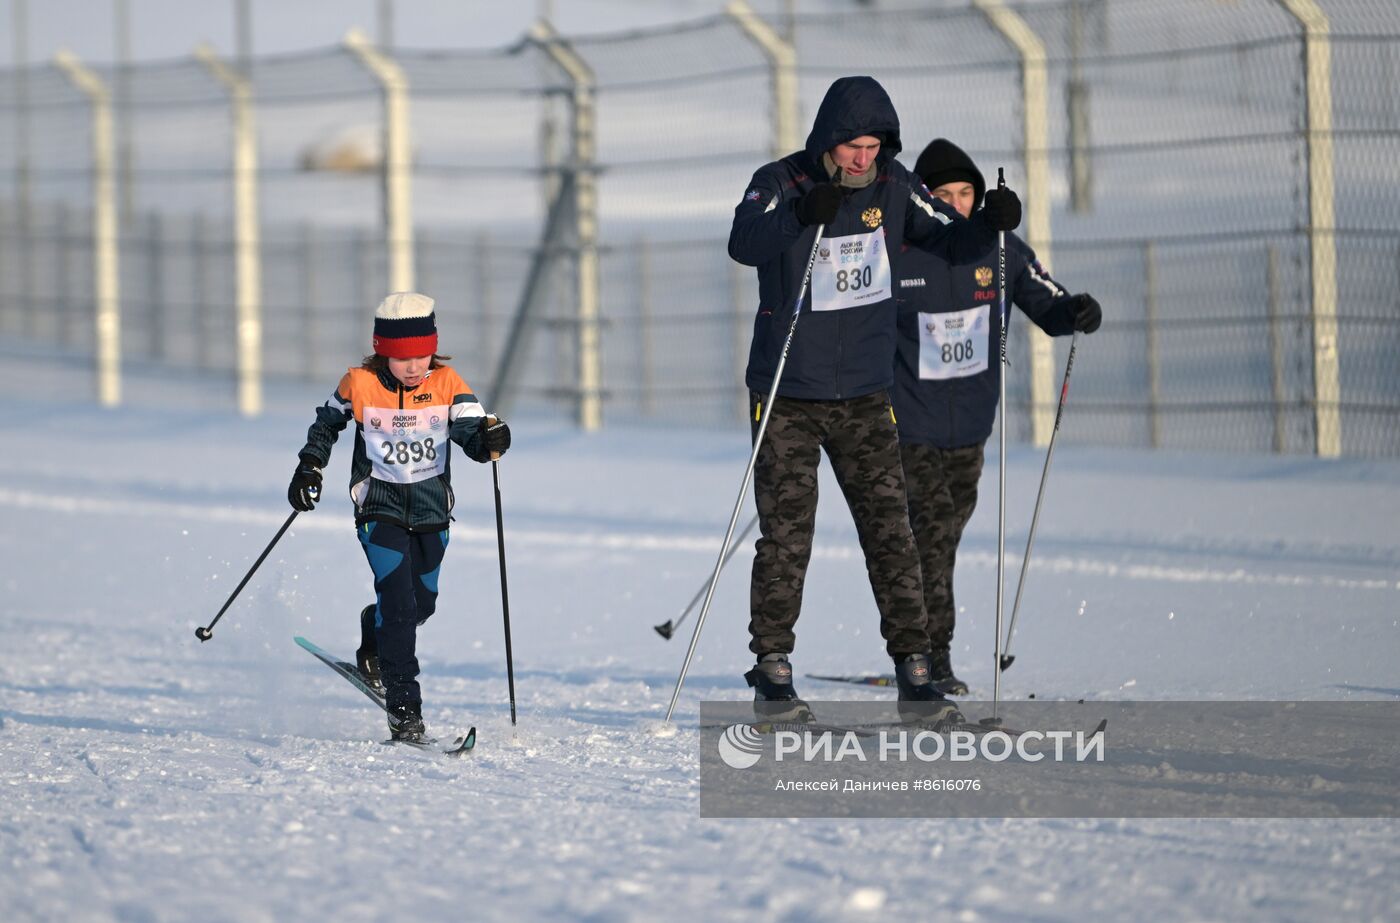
x,y
406,405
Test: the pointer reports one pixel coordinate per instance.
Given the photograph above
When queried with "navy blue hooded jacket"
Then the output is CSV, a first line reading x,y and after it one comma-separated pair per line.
x,y
944,308
837,354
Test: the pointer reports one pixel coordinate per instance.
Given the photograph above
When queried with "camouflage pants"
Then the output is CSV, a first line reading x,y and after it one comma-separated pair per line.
x,y
859,438
942,485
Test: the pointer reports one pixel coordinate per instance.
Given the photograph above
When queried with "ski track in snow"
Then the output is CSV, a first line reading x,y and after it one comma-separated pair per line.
x,y
147,777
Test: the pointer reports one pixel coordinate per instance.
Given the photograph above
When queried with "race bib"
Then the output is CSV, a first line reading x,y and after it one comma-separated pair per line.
x,y
406,446
850,272
954,345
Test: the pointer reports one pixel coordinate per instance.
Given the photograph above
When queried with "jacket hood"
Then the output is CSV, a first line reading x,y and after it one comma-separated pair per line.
x,y
944,162
854,106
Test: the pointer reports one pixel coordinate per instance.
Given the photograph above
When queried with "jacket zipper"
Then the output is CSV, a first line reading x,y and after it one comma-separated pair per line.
x,y
839,350
952,401
408,488
838,355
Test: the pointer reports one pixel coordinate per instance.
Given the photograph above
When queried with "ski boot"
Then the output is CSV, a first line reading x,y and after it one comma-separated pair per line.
x,y
406,723
367,656
941,669
774,698
919,700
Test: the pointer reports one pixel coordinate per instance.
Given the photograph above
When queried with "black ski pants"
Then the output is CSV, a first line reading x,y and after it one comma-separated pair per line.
x,y
942,485
405,566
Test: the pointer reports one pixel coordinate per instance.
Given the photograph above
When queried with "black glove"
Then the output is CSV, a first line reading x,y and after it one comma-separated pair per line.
x,y
1087,313
495,437
305,489
820,204
1002,209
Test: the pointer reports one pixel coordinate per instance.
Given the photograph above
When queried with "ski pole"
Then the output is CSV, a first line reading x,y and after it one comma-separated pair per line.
x,y
748,472
505,593
668,628
205,633
1006,657
1001,466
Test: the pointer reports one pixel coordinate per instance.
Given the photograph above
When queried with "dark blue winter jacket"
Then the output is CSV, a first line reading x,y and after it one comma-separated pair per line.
x,y
846,349
946,376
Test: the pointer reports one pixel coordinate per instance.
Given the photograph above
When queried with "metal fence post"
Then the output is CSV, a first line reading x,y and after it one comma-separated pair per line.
x,y
247,242
1036,133
396,169
1081,173
63,299
782,60
24,203
1275,288
361,289
645,333
585,214
1154,363
422,262
1317,53
481,267
155,286
7,236
104,230
199,282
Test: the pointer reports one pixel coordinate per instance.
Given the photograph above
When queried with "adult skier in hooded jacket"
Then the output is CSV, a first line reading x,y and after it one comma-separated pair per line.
x,y
833,395
947,378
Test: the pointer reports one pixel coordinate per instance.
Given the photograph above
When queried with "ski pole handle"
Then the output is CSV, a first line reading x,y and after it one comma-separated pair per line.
x,y
490,422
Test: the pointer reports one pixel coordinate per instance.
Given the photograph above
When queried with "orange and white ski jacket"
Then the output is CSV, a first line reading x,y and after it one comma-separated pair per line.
x,y
401,470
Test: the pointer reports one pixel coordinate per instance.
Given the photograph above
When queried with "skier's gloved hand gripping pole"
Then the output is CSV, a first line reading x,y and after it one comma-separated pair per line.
x,y
753,460
302,494
491,424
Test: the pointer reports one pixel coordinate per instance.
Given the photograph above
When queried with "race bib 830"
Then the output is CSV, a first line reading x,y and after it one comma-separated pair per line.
x,y
851,271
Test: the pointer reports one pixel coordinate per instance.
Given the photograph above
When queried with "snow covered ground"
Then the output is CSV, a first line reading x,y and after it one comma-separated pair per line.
x,y
145,776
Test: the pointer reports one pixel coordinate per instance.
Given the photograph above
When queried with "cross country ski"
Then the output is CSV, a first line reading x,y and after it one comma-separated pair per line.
x,y
348,671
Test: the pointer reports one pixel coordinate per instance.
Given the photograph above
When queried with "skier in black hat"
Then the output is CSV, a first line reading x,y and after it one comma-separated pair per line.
x,y
947,377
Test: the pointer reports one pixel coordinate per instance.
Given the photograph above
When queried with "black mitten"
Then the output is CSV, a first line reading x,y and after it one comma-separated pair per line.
x,y
820,204
305,488
1087,313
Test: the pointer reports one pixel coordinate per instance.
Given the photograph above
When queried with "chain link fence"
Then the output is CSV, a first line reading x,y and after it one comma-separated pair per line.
x,y
1178,144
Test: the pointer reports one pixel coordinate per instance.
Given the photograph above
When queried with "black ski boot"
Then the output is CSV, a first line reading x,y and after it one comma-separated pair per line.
x,y
367,656
919,700
774,698
941,668
406,722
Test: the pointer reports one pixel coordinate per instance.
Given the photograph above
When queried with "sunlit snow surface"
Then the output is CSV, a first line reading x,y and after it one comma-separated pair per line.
x,y
146,776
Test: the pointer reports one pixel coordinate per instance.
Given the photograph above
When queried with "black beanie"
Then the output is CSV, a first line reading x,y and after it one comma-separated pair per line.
x,y
944,162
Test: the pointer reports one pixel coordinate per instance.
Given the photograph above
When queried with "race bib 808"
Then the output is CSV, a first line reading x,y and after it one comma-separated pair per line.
x,y
954,345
